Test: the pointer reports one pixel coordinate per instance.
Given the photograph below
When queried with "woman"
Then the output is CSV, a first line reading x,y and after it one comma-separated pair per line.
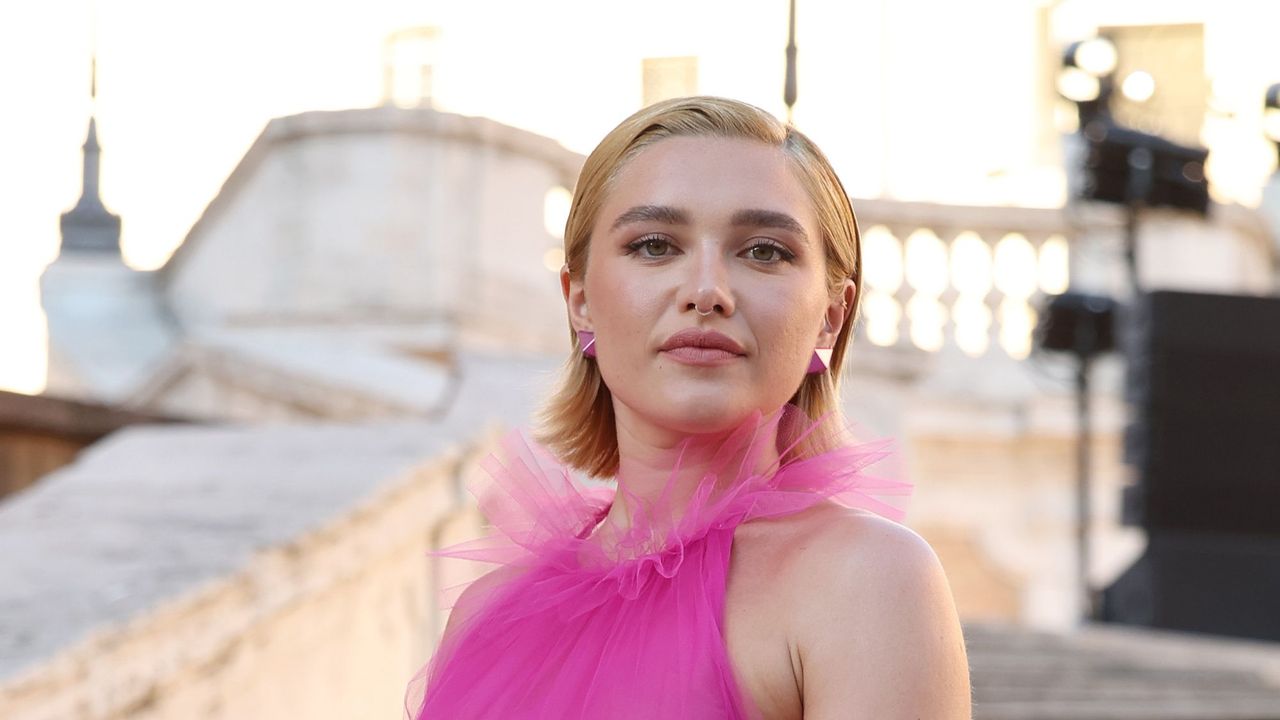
x,y
741,568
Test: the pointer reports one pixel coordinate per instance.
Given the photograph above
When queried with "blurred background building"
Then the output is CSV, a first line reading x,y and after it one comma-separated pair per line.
x,y
326,241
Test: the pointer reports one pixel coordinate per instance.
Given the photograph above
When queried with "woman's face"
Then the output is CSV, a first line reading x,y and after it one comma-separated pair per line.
x,y
705,224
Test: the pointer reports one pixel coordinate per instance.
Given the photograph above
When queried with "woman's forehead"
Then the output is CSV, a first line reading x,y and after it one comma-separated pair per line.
x,y
694,179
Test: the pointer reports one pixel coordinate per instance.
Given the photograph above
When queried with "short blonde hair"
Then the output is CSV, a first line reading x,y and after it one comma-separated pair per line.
x,y
576,422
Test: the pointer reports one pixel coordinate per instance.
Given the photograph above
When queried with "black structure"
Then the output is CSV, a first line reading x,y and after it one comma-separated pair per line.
x,y
1084,326
1140,170
1204,440
1125,165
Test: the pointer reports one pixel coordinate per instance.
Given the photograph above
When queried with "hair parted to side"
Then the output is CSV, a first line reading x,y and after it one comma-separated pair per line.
x,y
576,422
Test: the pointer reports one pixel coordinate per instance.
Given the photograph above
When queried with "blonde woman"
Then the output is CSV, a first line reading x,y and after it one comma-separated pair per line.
x,y
743,562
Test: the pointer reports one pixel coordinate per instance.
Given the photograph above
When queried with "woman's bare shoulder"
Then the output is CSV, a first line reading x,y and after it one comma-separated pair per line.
x,y
803,545
826,529
835,533
874,620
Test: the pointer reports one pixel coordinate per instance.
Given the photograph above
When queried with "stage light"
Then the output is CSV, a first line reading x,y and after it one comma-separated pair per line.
x,y
1096,56
1139,86
1077,85
1085,77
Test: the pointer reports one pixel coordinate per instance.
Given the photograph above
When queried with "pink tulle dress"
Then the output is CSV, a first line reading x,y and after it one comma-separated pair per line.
x,y
590,621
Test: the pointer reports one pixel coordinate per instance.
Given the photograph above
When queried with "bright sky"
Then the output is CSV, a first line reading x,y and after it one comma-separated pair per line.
x,y
184,88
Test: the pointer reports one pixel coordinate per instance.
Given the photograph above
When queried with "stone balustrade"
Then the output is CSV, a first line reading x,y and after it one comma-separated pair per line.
x,y
974,277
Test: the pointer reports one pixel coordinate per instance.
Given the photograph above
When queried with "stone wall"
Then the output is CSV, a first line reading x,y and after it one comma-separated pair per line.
x,y
376,216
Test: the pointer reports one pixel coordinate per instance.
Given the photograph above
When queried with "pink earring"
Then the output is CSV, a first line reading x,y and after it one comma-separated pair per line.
x,y
587,341
820,361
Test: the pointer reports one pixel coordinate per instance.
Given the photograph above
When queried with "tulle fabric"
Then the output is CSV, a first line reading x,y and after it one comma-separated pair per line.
x,y
595,621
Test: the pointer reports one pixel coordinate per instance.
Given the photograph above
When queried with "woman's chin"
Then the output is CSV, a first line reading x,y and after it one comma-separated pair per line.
x,y
698,414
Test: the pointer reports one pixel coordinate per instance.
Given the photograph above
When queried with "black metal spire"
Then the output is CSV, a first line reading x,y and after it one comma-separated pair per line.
x,y
89,226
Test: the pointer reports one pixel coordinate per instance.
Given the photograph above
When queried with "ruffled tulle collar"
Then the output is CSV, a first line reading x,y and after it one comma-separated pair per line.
x,y
541,514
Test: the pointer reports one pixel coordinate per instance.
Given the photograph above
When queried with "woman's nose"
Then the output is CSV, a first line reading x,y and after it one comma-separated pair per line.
x,y
706,287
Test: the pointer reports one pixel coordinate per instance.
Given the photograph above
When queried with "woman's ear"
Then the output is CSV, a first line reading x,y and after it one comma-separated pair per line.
x,y
575,300
838,311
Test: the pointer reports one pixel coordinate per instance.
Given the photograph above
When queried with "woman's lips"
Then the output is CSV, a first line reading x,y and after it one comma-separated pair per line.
x,y
691,355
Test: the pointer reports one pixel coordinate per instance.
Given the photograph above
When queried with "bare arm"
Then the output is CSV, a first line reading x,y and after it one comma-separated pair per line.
x,y
880,637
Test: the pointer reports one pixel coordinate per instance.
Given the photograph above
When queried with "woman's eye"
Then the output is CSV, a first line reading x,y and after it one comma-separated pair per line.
x,y
768,252
657,247
651,247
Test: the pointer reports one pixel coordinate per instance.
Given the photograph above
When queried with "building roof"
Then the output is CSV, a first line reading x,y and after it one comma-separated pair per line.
x,y
388,119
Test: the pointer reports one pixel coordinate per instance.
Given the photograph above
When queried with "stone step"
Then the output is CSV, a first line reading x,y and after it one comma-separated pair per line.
x,y
1104,672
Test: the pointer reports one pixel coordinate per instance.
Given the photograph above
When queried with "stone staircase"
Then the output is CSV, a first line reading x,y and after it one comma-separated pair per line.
x,y
1106,672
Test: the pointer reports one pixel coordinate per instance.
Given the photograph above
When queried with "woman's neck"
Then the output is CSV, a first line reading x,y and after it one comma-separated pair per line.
x,y
648,454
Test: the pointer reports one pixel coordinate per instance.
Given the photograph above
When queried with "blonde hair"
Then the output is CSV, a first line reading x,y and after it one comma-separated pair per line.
x,y
576,422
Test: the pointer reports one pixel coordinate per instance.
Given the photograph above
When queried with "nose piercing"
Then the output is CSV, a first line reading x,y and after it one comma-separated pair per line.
x,y
704,314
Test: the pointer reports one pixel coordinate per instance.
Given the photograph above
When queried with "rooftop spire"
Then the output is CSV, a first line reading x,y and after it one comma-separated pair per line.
x,y
89,226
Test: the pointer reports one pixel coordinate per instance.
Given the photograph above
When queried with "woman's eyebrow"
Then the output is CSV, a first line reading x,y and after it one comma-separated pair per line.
x,y
769,219
742,218
652,213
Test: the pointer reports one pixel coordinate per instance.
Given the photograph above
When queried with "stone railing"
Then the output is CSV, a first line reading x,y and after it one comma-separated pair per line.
x,y
968,276
973,277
